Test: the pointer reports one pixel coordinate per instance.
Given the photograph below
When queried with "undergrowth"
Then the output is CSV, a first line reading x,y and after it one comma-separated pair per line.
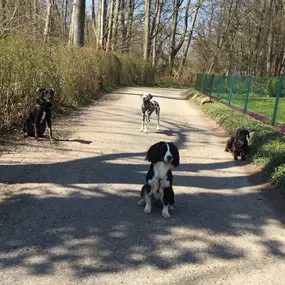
x,y
76,74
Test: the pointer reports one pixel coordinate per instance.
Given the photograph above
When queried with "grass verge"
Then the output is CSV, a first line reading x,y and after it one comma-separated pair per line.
x,y
267,143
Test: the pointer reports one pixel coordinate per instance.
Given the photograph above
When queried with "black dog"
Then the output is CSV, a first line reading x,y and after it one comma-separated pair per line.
x,y
40,116
147,108
163,157
238,144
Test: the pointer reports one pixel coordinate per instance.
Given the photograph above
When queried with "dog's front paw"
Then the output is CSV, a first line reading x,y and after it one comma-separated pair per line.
x,y
165,214
141,129
157,128
147,210
145,130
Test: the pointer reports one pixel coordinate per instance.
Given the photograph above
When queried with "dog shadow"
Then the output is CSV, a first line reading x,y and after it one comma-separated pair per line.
x,y
46,137
168,133
72,140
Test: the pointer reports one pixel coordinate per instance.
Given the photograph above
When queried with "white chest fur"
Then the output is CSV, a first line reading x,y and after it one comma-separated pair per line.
x,y
43,116
161,169
159,180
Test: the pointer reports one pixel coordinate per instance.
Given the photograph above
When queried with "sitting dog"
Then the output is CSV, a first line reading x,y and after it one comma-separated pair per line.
x,y
40,115
147,108
238,144
158,187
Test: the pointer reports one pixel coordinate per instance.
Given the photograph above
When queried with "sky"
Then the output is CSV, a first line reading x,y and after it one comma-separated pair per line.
x,y
88,3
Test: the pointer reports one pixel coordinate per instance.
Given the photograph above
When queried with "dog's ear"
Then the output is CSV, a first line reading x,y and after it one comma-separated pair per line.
x,y
247,133
175,153
150,96
51,92
153,153
39,90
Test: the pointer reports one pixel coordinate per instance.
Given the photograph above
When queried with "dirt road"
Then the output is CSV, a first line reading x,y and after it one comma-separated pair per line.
x,y
69,213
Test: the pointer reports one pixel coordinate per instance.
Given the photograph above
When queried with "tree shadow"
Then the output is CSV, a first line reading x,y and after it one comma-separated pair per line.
x,y
93,229
99,232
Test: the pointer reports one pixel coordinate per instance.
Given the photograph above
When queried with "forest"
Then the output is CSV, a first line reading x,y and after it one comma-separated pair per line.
x,y
79,47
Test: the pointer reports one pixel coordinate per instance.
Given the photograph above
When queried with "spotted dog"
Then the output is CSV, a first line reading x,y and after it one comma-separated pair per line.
x,y
158,187
147,108
40,115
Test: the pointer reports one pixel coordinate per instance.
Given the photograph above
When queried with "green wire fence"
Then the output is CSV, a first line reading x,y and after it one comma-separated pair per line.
x,y
262,98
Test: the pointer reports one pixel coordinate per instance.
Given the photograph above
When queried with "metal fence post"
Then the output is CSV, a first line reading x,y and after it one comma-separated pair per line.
x,y
205,82
211,85
231,89
278,91
219,86
198,82
247,92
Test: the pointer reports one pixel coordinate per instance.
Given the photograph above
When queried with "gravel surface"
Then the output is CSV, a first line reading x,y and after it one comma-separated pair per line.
x,y
69,212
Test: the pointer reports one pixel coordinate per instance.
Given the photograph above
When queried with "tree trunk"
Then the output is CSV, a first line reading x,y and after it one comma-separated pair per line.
x,y
182,39
223,36
146,30
65,16
102,24
266,44
98,31
129,23
123,25
35,18
105,23
259,38
93,19
175,8
155,30
115,24
110,25
47,22
77,24
186,49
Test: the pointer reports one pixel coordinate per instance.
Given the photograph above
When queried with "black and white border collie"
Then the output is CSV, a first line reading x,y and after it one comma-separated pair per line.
x,y
147,108
158,187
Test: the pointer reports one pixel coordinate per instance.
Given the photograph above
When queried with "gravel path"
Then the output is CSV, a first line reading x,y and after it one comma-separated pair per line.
x,y
69,213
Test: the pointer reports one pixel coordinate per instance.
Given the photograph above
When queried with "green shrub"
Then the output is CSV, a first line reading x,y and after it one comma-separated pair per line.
x,y
278,177
76,74
272,87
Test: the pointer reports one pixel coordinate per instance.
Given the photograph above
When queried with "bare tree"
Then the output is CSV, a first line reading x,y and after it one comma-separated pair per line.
x,y
155,29
48,21
77,23
225,25
65,9
110,25
129,27
146,30
186,48
173,50
101,23
115,24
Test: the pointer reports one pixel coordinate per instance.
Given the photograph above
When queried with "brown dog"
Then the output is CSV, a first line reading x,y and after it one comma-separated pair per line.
x,y
238,144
